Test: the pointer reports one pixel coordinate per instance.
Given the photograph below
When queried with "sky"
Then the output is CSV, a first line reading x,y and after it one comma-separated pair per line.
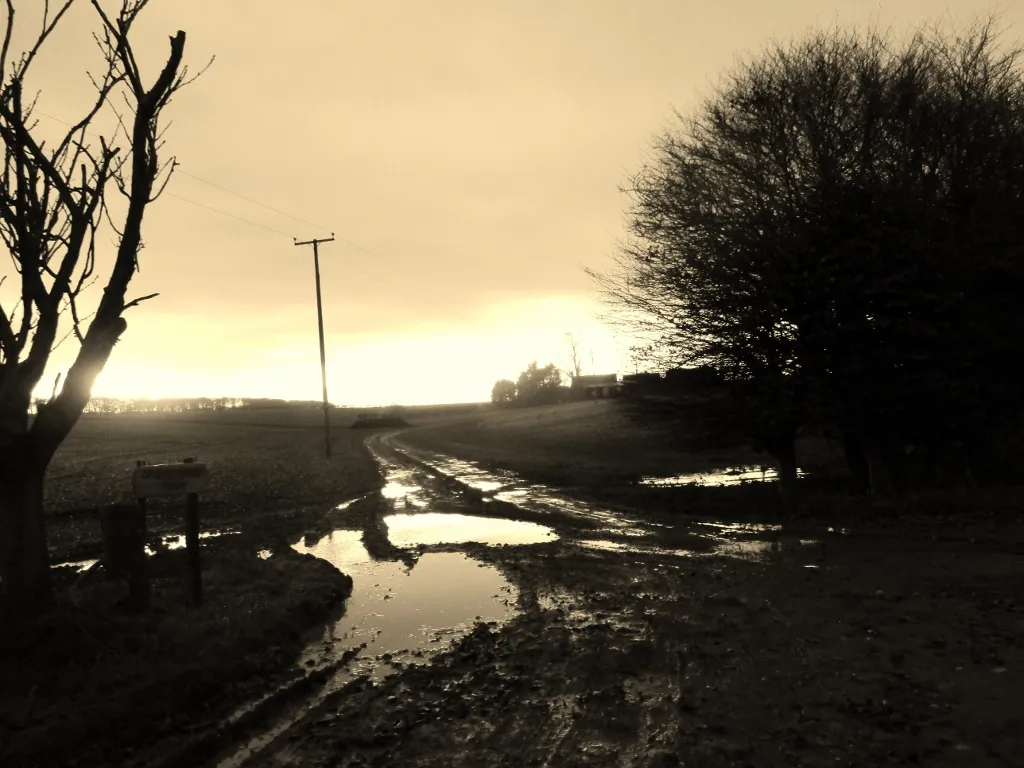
x,y
468,156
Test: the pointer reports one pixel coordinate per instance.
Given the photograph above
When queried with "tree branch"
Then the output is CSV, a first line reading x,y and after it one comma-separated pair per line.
x,y
108,324
136,302
5,50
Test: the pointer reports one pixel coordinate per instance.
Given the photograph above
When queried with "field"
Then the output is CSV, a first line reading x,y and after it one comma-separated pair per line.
x,y
894,638
122,682
260,461
595,449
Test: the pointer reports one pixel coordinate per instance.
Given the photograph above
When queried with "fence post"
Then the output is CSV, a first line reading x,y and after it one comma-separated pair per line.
x,y
192,544
142,507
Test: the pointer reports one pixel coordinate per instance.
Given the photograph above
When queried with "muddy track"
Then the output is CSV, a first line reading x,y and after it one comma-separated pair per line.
x,y
486,670
683,644
271,731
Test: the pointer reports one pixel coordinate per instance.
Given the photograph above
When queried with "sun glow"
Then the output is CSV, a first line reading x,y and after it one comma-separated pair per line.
x,y
429,367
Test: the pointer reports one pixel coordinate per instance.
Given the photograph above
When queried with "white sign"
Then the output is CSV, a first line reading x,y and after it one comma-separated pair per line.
x,y
169,480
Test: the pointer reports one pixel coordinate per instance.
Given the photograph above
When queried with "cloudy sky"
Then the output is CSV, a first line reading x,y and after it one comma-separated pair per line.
x,y
469,153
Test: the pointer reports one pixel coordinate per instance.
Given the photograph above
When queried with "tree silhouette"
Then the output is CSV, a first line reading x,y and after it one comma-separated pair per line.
x,y
503,392
536,386
836,232
574,355
53,204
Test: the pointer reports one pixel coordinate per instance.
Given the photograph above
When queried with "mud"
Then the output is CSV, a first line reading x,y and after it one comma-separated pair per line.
x,y
632,639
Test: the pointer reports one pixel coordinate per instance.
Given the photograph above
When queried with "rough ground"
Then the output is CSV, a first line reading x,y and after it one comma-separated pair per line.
x,y
88,684
894,641
876,646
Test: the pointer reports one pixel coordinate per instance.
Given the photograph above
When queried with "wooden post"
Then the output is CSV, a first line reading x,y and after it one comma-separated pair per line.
x,y
138,583
142,508
192,546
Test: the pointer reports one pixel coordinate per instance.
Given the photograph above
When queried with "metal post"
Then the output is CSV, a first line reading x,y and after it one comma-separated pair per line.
x,y
320,326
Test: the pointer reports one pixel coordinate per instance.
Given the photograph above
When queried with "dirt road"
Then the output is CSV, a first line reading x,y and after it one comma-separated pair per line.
x,y
635,639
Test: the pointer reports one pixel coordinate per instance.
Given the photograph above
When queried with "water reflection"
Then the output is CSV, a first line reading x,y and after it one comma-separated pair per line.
x,y
428,528
173,541
730,476
404,612
78,565
178,541
395,616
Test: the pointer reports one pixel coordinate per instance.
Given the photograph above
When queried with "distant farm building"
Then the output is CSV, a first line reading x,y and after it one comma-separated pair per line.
x,y
643,383
674,382
594,386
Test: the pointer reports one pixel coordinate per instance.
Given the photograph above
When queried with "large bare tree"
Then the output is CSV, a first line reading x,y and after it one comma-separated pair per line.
x,y
53,205
836,230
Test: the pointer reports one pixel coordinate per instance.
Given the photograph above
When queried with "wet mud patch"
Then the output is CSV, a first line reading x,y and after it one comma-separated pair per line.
x,y
646,660
732,653
397,617
574,680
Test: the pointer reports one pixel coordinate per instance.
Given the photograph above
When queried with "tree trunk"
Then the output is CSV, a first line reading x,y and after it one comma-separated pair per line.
x,y
856,463
785,457
24,559
782,448
882,467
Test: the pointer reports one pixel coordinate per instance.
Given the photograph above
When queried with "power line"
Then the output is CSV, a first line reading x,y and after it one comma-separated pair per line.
x,y
212,184
278,211
229,215
251,200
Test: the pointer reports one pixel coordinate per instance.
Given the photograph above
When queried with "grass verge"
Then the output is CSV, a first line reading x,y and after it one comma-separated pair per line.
x,y
87,684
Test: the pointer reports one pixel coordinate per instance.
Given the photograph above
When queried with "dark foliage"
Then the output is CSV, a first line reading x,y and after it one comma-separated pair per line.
x,y
837,232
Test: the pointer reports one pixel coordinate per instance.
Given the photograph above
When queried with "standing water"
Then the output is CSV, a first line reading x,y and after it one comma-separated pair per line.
x,y
395,616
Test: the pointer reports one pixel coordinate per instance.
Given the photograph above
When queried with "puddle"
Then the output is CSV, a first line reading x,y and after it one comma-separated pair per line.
x,y
502,485
731,476
170,542
401,486
350,502
400,611
178,541
744,540
473,475
487,486
740,527
78,565
395,617
640,549
615,546
410,530
398,490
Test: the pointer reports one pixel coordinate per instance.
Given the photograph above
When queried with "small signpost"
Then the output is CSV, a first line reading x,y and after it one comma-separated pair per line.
x,y
187,479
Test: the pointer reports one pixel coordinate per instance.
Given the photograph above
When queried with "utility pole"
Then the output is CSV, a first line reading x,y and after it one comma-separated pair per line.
x,y
320,324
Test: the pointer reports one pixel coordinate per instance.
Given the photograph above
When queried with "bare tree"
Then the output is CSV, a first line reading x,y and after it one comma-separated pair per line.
x,y
574,355
836,231
53,204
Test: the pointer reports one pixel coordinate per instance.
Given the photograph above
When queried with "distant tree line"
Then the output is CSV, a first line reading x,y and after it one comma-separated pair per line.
x,y
535,386
179,404
838,233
